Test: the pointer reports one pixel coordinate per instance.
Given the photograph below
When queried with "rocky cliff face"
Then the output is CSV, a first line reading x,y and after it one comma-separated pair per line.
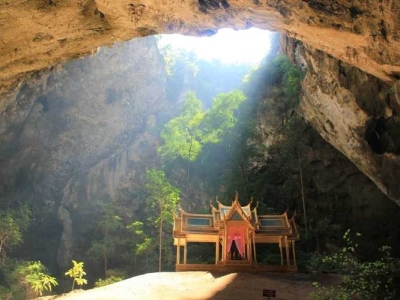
x,y
353,111
340,196
79,134
363,34
337,194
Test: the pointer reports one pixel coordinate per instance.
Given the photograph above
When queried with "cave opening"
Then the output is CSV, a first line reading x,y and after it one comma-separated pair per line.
x,y
226,45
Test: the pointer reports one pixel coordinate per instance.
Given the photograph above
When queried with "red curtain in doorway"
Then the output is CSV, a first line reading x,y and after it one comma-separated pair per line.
x,y
237,233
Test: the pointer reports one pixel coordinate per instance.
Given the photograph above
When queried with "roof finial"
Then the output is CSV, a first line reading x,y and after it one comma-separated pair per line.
x,y
212,206
236,197
219,203
181,209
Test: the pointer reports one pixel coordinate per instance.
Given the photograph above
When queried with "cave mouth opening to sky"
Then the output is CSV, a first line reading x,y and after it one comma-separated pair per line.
x,y
227,45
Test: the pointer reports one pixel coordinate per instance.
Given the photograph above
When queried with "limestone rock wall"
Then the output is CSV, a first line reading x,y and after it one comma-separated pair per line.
x,y
353,112
78,134
338,195
38,34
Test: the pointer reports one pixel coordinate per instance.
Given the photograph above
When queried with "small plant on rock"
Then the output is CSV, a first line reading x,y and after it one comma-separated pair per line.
x,y
107,281
77,273
112,276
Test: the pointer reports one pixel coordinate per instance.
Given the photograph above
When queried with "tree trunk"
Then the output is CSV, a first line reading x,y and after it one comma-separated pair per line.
x,y
245,181
188,168
160,236
302,193
160,244
134,266
1,247
3,255
105,254
105,262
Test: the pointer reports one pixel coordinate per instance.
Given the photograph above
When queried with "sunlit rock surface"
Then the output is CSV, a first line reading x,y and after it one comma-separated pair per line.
x,y
201,285
38,34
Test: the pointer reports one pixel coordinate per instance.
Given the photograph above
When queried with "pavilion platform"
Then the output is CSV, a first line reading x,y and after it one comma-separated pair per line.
x,y
237,266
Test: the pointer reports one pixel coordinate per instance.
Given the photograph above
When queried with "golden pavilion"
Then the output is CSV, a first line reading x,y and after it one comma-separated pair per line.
x,y
235,230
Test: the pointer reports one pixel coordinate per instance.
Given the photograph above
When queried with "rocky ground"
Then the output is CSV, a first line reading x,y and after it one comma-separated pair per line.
x,y
202,285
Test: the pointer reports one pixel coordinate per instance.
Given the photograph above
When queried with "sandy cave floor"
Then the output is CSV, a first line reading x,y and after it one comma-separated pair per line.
x,y
201,285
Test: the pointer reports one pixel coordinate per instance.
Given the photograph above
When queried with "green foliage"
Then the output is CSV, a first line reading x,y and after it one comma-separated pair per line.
x,y
206,78
5,293
362,280
185,135
112,276
114,240
13,223
25,279
34,274
145,247
221,118
245,161
182,135
107,281
143,244
76,273
163,197
343,261
291,76
109,227
136,227
329,293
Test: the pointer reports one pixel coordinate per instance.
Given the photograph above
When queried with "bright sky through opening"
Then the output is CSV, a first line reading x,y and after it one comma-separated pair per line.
x,y
227,45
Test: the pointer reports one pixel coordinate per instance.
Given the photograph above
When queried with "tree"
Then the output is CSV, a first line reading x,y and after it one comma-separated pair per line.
x,y
221,116
77,273
163,196
13,223
143,245
185,135
182,135
109,225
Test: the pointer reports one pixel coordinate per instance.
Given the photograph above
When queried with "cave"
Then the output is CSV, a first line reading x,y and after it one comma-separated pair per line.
x,y
76,131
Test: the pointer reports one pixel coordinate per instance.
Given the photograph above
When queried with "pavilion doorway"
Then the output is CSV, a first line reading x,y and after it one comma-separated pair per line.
x,y
236,241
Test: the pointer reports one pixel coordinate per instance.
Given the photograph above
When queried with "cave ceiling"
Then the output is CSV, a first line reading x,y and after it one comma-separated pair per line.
x,y
37,34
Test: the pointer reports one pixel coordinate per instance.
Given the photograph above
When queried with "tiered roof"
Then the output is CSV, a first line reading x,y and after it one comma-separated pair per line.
x,y
264,225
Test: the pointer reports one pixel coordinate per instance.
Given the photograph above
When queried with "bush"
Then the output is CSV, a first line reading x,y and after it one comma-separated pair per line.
x,y
362,280
107,281
25,279
34,274
5,293
112,276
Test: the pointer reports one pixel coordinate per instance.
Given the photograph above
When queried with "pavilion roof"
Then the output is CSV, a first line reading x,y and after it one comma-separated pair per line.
x,y
275,225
